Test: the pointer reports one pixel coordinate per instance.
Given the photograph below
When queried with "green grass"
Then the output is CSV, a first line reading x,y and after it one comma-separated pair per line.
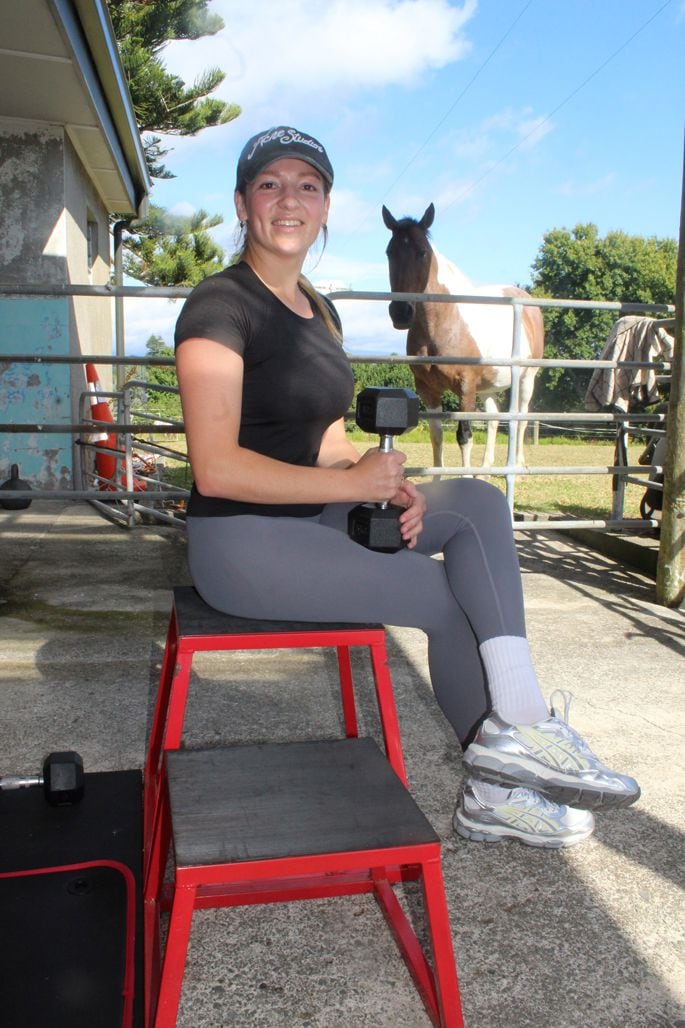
x,y
580,496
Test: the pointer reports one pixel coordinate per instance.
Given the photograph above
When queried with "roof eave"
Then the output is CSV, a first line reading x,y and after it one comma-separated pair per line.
x,y
87,29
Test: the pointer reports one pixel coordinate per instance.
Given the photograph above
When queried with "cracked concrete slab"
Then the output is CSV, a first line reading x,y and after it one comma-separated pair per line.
x,y
591,936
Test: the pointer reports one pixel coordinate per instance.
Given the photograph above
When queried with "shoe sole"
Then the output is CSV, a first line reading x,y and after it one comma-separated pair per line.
x,y
477,834
562,791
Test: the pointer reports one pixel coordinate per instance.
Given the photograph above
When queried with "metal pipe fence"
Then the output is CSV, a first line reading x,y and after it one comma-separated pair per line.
x,y
131,492
123,501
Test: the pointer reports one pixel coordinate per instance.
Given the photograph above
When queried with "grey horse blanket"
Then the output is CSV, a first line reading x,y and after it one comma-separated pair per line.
x,y
631,339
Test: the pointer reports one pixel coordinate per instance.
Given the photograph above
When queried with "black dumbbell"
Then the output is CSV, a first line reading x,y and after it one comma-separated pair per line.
x,y
389,412
62,779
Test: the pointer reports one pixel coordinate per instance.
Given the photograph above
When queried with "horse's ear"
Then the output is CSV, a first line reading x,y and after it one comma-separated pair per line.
x,y
427,219
389,220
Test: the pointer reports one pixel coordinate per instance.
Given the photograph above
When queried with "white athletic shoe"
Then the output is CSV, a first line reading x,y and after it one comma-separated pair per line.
x,y
524,815
549,757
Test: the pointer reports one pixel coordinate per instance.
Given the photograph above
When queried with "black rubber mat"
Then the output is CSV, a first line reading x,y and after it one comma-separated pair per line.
x,y
70,907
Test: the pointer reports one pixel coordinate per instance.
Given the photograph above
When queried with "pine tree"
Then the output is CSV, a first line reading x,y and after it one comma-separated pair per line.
x,y
162,101
162,249
169,250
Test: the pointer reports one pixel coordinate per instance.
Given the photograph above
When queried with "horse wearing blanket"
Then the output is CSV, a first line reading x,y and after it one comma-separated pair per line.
x,y
457,330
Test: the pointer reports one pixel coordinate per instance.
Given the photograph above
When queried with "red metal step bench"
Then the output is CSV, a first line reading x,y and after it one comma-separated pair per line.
x,y
277,822
195,627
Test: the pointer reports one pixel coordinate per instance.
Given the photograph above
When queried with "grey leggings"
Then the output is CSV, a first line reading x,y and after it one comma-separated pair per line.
x,y
307,569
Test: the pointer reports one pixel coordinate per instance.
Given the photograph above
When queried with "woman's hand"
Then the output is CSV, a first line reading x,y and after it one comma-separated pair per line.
x,y
378,475
411,521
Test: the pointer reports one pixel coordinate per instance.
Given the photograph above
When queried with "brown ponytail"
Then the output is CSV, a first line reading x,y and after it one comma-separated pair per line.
x,y
324,307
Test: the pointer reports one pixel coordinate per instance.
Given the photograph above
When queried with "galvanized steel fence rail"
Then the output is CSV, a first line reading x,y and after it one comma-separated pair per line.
x,y
125,503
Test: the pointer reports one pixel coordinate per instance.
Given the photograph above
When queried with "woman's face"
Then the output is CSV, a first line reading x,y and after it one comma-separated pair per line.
x,y
284,207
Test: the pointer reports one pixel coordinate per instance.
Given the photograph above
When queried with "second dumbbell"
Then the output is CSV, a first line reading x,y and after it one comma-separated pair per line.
x,y
62,779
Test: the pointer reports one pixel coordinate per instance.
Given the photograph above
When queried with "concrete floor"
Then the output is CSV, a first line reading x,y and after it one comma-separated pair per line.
x,y
591,936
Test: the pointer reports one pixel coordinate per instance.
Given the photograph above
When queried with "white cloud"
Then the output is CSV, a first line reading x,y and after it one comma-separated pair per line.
x,y
490,146
366,324
454,191
574,188
144,317
227,235
532,130
314,50
184,209
365,276
486,141
367,328
350,212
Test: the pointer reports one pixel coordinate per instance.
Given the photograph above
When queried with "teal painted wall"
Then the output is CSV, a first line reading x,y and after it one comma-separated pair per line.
x,y
35,393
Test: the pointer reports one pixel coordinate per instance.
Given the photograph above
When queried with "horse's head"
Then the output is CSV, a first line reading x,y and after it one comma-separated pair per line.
x,y
409,259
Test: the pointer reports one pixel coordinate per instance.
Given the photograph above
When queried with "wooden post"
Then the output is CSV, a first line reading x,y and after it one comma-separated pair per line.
x,y
670,582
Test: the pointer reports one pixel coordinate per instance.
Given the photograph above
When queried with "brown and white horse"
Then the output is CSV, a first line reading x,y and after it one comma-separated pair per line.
x,y
457,330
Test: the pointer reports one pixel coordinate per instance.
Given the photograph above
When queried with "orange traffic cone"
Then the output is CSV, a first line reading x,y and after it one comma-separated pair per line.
x,y
105,465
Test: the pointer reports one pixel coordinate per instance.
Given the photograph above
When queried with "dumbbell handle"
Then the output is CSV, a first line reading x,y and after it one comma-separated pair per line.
x,y
386,447
19,781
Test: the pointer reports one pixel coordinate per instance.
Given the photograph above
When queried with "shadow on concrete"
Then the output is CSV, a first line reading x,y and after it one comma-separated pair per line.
x,y
585,937
616,587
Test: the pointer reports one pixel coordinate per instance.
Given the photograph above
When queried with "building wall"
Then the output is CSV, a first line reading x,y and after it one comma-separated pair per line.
x,y
88,260
35,393
46,203
32,241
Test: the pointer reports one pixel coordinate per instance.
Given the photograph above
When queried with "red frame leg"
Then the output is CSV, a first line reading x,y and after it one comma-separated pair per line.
x,y
387,709
173,965
167,725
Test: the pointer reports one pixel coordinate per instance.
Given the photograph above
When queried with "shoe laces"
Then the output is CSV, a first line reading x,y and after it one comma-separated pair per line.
x,y
565,697
562,720
532,800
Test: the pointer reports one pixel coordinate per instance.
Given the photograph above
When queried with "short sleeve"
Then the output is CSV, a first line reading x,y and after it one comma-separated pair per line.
x,y
215,310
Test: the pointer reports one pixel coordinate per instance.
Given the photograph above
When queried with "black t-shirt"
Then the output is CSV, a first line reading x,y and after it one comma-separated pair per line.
x,y
296,380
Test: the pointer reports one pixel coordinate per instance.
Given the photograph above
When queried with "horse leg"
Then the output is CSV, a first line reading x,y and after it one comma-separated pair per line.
x,y
435,429
467,404
465,440
526,383
432,401
491,436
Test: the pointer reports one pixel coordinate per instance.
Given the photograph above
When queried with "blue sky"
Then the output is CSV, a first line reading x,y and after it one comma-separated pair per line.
x,y
513,117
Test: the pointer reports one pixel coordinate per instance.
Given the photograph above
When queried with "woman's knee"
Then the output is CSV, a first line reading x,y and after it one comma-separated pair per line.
x,y
465,496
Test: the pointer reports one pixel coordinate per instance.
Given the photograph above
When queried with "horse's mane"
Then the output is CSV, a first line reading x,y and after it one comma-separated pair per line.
x,y
406,223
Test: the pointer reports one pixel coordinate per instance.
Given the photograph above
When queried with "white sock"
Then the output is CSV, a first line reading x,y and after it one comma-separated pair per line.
x,y
512,682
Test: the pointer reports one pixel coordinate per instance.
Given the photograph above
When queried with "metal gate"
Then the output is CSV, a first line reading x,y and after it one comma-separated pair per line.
x,y
138,431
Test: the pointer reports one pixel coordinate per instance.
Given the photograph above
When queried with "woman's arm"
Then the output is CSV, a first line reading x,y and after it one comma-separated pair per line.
x,y
210,377
336,451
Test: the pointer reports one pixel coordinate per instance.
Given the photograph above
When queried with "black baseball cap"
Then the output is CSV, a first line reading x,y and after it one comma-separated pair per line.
x,y
267,147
